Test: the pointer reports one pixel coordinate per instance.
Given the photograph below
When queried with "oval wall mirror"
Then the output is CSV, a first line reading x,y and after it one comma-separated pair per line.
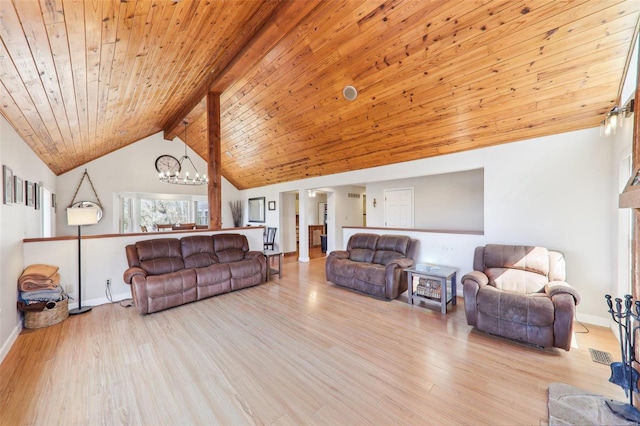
x,y
81,204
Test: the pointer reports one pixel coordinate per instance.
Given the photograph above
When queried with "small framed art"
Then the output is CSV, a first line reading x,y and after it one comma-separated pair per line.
x,y
28,190
18,190
36,196
7,180
272,205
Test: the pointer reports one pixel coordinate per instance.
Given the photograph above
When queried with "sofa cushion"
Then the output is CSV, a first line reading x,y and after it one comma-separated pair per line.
x,y
361,247
245,274
246,268
343,267
197,251
516,280
389,248
394,243
526,258
230,247
370,273
213,279
171,289
160,256
536,309
523,269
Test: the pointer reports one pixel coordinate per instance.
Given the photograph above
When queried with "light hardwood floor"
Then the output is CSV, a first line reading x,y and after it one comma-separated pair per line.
x,y
296,350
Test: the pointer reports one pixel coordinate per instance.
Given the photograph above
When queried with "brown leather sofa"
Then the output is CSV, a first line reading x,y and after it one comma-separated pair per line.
x,y
168,272
373,264
519,292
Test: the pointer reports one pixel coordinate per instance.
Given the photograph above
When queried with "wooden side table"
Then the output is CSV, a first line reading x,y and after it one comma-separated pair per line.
x,y
441,274
273,271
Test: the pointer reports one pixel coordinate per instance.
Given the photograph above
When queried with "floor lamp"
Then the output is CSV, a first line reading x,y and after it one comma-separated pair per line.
x,y
81,216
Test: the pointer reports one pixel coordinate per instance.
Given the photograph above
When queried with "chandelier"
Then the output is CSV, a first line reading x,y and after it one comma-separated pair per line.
x,y
173,175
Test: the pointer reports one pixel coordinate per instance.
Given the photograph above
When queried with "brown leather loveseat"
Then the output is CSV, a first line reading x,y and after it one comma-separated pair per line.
x,y
519,292
168,272
373,264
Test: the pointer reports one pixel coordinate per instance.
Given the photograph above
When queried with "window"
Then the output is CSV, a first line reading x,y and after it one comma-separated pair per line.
x,y
202,212
126,216
145,209
154,211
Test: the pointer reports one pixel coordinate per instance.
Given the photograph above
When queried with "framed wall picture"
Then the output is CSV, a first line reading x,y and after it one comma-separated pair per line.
x,y
18,190
7,180
28,190
256,209
53,201
272,205
36,196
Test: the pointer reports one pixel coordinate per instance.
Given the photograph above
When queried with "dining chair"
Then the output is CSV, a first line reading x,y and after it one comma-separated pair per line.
x,y
269,238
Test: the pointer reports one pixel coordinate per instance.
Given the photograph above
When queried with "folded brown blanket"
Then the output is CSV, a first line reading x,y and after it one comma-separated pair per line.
x,y
36,282
40,269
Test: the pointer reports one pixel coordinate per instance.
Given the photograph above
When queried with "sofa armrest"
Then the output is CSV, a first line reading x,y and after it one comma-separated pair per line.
x,y
139,293
396,277
403,262
340,254
253,254
471,283
564,306
131,272
560,287
479,278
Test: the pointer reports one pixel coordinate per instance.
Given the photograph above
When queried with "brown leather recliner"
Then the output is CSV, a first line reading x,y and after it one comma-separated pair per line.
x,y
373,264
168,272
519,292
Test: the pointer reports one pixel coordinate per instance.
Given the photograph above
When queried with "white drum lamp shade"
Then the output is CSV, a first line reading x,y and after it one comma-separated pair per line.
x,y
77,216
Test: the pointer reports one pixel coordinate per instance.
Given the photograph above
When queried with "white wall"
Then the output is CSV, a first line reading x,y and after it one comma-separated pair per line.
x,y
17,222
449,201
130,169
555,191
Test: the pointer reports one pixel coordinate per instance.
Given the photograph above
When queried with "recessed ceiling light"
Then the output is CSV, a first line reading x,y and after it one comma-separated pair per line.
x,y
349,93
228,154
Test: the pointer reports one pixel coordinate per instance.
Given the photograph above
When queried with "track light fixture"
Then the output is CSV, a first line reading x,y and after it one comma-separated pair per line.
x,y
615,118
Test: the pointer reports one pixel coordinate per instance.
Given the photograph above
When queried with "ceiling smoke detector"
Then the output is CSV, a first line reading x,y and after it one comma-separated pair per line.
x,y
349,93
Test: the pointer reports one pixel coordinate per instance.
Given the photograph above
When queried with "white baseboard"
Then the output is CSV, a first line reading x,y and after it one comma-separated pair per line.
x,y
592,319
100,300
6,347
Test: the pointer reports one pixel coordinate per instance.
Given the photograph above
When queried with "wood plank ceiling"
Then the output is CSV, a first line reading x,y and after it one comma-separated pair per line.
x,y
80,79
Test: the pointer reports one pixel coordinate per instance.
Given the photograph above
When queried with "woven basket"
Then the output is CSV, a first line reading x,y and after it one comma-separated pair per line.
x,y
47,317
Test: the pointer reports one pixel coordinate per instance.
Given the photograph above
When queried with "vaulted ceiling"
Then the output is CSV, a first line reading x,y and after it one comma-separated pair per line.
x,y
80,79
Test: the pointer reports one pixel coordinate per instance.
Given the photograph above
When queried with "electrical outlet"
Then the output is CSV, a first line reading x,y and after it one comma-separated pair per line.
x,y
108,282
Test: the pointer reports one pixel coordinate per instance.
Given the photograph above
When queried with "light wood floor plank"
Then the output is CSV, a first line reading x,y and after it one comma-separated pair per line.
x,y
297,350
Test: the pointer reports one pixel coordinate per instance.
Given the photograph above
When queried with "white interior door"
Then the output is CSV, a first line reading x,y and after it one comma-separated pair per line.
x,y
322,213
398,208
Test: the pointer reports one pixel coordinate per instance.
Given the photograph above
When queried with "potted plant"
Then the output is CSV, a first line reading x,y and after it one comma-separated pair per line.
x,y
236,212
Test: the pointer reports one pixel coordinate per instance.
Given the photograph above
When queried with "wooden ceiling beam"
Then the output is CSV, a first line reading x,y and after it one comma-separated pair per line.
x,y
248,50
282,19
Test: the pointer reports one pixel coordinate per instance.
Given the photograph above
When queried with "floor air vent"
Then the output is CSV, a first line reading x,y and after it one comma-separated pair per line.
x,y
600,356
